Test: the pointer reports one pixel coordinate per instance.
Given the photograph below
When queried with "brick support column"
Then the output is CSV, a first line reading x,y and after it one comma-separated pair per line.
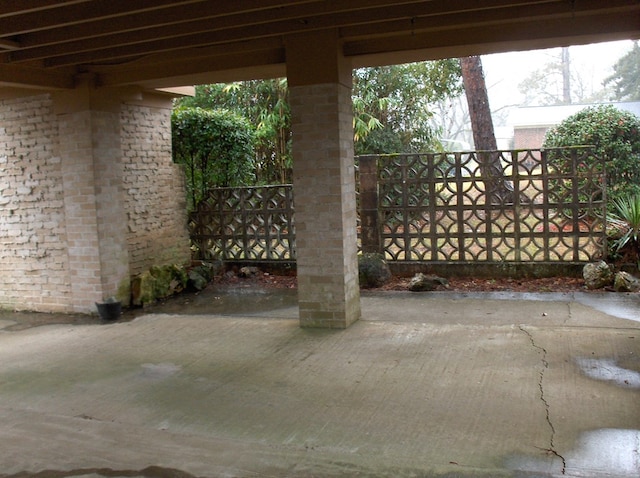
x,y
96,224
323,180
370,233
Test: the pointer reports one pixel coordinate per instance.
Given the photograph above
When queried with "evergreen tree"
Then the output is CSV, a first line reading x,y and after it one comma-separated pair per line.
x,y
626,76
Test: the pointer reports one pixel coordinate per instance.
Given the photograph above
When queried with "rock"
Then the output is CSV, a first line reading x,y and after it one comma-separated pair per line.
x,y
248,271
157,283
179,279
142,289
422,282
597,275
215,268
197,279
199,276
625,282
373,270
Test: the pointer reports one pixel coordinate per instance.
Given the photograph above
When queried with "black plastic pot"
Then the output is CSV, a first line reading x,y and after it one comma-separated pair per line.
x,y
109,310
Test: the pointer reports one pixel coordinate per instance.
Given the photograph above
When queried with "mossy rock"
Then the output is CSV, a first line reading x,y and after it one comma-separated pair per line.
x,y
597,275
142,289
198,278
373,270
157,283
423,282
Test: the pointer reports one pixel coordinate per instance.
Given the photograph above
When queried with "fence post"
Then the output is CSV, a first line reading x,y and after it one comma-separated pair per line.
x,y
369,223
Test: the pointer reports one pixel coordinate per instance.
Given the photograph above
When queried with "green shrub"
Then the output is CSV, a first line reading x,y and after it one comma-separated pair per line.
x,y
216,148
615,136
625,222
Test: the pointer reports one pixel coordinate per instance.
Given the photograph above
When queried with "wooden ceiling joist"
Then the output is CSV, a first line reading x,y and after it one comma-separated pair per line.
x,y
76,37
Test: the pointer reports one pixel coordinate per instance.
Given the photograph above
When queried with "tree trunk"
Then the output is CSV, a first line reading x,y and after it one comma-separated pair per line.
x,y
484,136
566,77
478,101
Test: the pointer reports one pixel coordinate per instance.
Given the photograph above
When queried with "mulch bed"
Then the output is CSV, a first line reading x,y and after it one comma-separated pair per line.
x,y
471,284
460,284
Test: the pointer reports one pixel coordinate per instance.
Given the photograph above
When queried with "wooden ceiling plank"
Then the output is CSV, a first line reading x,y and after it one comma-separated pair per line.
x,y
207,24
20,7
406,8
166,48
200,53
515,30
8,44
469,40
249,32
412,15
522,13
128,52
76,13
150,19
181,21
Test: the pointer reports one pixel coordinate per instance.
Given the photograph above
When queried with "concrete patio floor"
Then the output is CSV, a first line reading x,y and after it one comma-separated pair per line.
x,y
226,384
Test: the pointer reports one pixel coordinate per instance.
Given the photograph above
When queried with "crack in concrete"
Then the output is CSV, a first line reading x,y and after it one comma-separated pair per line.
x,y
569,314
543,399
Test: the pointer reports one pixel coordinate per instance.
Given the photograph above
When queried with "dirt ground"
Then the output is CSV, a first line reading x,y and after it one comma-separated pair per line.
x,y
459,284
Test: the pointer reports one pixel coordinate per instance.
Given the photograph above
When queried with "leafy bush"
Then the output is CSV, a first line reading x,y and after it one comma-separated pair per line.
x,y
265,104
216,147
615,135
626,224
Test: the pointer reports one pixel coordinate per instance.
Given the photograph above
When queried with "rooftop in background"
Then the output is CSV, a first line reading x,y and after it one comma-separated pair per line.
x,y
547,116
530,124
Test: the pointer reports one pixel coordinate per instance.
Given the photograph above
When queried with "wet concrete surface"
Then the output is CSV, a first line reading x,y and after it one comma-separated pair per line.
x,y
226,300
252,301
608,370
226,384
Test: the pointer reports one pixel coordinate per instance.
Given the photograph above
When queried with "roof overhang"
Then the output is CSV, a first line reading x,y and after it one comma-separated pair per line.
x,y
54,44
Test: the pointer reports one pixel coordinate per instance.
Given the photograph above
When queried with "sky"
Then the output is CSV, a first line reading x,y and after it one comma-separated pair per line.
x,y
504,71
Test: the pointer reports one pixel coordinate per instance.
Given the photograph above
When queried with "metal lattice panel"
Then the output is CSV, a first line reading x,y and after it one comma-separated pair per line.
x,y
253,223
529,206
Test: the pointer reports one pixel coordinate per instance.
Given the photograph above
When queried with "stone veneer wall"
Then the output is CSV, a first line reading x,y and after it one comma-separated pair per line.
x,y
34,247
33,243
155,200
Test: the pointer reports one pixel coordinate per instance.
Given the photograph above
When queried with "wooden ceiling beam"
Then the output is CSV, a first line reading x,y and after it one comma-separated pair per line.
x,y
167,73
8,44
303,14
18,75
515,31
197,54
440,44
167,42
166,17
450,19
20,7
76,13
315,20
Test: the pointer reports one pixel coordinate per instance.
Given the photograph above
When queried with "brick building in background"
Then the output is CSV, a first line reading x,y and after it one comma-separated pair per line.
x,y
530,124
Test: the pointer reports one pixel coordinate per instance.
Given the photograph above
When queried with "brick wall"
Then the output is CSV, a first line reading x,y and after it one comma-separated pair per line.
x,y
42,197
155,200
529,138
324,185
33,258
